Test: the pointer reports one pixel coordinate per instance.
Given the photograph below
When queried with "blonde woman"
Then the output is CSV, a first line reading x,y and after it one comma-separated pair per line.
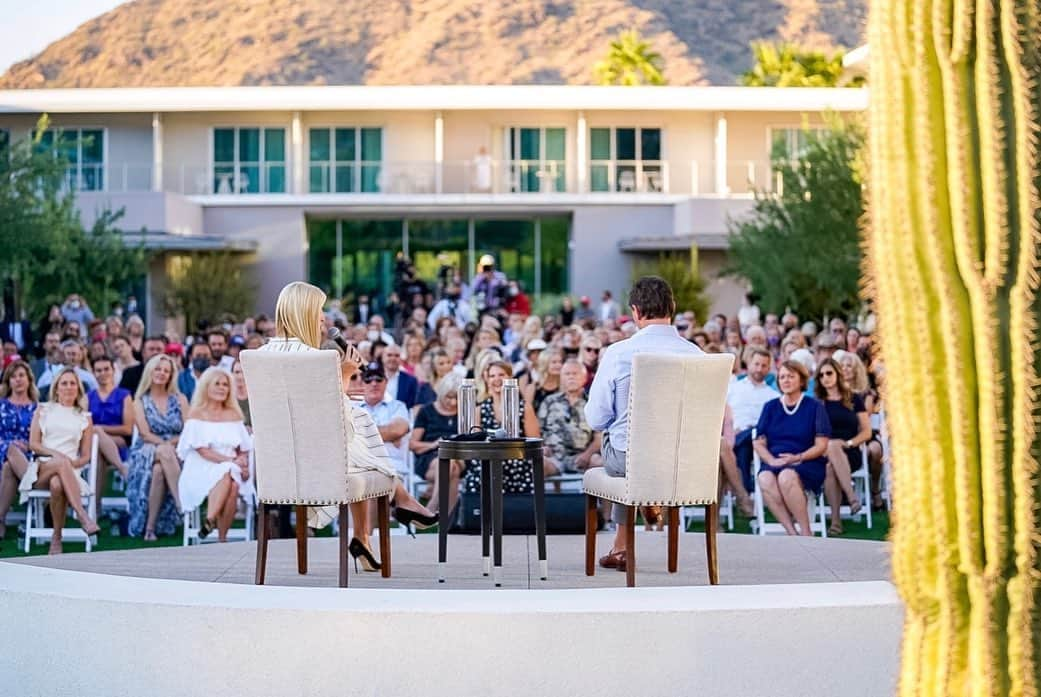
x,y
214,447
60,437
298,327
153,469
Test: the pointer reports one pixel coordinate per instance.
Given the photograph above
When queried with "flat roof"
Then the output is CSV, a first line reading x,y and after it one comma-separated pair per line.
x,y
168,241
432,98
675,243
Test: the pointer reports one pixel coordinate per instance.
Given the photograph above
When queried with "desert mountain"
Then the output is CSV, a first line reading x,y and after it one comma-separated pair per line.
x,y
384,42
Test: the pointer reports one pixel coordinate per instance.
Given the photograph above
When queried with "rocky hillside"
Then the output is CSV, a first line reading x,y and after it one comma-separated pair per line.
x,y
337,42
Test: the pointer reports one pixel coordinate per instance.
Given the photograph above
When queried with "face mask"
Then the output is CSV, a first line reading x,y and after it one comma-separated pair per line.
x,y
200,364
451,297
373,335
118,312
75,304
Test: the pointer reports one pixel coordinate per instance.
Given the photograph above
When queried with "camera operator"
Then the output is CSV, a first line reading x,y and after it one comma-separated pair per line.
x,y
490,286
451,305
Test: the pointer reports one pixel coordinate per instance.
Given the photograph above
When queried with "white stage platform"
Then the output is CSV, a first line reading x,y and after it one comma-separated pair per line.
x,y
794,617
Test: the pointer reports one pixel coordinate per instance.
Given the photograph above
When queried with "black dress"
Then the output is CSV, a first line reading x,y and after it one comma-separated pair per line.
x,y
435,426
517,477
845,425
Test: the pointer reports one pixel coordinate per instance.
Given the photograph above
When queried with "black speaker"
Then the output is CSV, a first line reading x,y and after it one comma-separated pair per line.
x,y
565,514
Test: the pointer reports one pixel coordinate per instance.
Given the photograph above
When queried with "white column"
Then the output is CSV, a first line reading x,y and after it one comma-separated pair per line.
x,y
582,155
296,139
157,151
439,150
721,153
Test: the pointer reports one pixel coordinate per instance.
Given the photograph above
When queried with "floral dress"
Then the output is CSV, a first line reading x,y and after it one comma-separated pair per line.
x,y
517,477
15,420
139,477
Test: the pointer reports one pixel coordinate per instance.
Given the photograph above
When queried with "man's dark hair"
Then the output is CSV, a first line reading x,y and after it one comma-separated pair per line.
x,y
103,359
217,332
202,344
652,296
156,337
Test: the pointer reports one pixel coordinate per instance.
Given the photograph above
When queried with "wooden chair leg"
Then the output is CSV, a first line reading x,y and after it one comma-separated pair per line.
x,y
344,543
261,545
674,538
711,526
383,517
630,546
591,502
301,539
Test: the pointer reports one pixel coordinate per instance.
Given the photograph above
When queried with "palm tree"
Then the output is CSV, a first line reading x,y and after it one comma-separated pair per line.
x,y
630,61
787,65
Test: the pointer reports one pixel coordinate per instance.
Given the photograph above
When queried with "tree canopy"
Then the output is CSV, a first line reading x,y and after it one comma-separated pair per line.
x,y
800,247
788,65
47,252
630,61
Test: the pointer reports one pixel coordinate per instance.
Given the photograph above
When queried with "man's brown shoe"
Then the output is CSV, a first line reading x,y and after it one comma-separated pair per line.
x,y
613,560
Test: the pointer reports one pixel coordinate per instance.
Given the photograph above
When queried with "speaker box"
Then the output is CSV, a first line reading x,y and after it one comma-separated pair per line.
x,y
565,514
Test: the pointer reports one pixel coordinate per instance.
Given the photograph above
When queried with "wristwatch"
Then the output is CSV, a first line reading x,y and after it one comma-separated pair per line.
x,y
849,444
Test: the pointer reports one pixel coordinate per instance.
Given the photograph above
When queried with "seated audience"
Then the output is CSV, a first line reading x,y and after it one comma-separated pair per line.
x,y
150,347
435,421
241,393
517,474
214,446
112,409
570,444
545,378
154,470
72,357
200,358
400,385
746,399
850,427
60,440
18,401
792,441
123,354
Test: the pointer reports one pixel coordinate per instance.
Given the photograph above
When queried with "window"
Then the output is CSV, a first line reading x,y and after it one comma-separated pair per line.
x,y
537,159
5,148
249,160
625,159
344,160
789,143
84,149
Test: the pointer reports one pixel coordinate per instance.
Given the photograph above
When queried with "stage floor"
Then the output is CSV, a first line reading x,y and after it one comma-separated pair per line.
x,y
743,560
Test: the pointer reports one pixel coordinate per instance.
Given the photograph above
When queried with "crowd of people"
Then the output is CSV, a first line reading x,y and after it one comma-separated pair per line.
x,y
171,414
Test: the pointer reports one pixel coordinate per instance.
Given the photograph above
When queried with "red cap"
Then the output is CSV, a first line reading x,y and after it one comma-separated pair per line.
x,y
584,300
174,349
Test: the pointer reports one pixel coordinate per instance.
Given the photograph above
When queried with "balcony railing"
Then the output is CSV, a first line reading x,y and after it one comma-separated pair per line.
x,y
478,176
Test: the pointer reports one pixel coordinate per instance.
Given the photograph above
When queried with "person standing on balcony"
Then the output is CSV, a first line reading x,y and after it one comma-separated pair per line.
x,y
482,171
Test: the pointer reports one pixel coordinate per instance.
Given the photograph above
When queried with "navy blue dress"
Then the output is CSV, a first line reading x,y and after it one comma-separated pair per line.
x,y
794,434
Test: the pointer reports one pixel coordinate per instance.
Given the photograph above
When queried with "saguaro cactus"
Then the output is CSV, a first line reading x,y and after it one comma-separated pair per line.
x,y
954,247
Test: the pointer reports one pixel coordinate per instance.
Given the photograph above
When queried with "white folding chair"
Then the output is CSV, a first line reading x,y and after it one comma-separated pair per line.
x,y
691,514
814,506
38,498
878,423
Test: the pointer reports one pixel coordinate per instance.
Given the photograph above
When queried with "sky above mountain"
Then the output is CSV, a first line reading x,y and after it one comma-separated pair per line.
x,y
29,27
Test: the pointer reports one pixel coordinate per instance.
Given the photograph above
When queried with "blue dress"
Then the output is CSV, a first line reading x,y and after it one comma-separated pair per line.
x,y
139,477
108,412
795,433
15,421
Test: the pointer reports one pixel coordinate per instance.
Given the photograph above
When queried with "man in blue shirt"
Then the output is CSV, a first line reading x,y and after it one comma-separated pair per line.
x,y
391,417
607,410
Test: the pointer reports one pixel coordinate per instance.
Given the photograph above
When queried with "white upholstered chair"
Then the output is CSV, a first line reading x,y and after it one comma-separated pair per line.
x,y
300,446
676,405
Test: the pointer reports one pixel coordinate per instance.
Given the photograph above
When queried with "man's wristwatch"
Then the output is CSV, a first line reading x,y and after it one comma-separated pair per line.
x,y
849,444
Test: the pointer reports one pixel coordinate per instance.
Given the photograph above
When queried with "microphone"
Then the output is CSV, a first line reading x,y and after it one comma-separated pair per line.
x,y
336,336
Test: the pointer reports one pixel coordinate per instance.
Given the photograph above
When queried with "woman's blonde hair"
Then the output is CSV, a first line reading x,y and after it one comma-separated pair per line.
x,y
208,377
146,376
483,360
298,305
859,384
81,394
5,381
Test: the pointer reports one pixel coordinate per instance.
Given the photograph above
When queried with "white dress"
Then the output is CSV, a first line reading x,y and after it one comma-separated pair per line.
x,y
61,429
199,475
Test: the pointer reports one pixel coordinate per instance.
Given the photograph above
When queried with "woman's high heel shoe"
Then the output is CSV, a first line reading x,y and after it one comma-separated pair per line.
x,y
358,549
415,519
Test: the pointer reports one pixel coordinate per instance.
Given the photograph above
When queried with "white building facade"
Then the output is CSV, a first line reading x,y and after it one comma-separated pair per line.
x,y
567,186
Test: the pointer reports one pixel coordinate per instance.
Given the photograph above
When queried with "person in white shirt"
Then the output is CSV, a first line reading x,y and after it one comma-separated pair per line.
x,y
748,314
607,410
72,353
451,305
746,399
482,171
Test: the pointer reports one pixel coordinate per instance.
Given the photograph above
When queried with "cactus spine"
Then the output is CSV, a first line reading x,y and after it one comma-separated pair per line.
x,y
954,250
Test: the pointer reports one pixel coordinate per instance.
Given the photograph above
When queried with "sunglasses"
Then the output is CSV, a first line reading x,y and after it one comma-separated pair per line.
x,y
372,378
590,349
827,373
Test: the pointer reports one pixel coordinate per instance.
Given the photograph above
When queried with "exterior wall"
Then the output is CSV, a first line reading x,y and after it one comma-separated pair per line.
x,y
143,210
596,264
281,234
748,145
725,292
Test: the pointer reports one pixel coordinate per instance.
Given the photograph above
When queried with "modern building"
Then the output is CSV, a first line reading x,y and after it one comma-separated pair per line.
x,y
567,186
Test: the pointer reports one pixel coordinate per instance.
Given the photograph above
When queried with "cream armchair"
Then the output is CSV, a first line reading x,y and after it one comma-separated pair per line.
x,y
676,405
300,447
